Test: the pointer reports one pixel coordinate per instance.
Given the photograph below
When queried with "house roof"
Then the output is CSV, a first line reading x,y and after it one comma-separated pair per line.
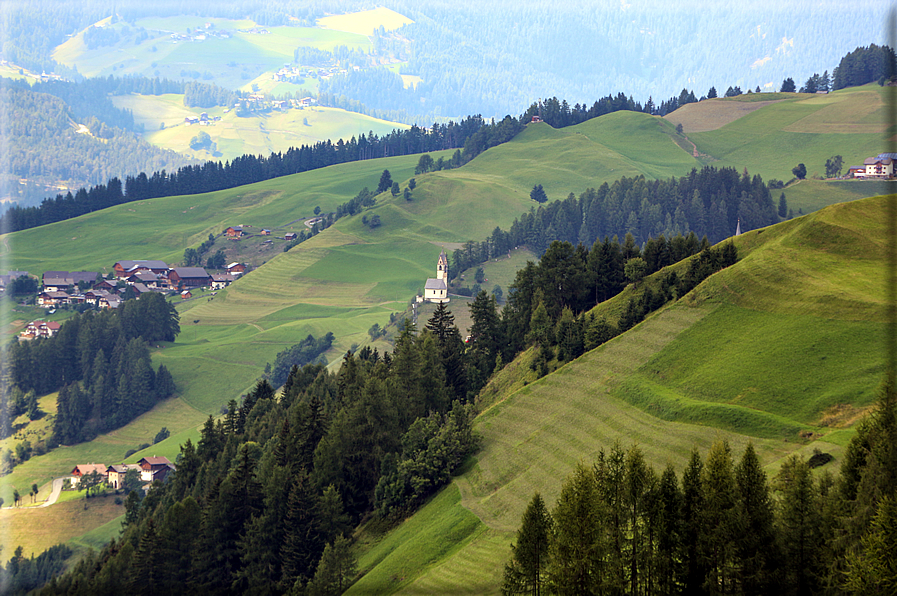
x,y
53,325
55,294
190,272
128,265
122,468
223,277
140,288
870,161
82,469
434,284
155,461
145,276
234,264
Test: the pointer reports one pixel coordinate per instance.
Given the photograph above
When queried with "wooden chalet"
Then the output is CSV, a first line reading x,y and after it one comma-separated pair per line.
x,y
51,299
236,268
234,232
104,285
155,468
186,294
66,280
188,277
221,281
289,236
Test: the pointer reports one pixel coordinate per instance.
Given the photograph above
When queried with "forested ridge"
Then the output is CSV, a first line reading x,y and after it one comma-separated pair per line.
x,y
45,146
722,527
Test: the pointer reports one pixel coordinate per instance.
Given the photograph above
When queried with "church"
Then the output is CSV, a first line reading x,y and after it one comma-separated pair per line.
x,y
436,289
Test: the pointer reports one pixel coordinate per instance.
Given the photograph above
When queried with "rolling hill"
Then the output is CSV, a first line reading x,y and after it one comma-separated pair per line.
x,y
350,276
689,374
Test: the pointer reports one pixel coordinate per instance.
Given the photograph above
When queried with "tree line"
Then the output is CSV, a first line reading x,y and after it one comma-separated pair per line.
x,y
101,366
472,133
722,527
708,202
265,501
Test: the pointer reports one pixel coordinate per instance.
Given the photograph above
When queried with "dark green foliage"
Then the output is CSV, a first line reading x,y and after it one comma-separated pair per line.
x,y
783,206
788,86
527,571
22,575
538,194
385,182
864,65
335,571
799,171
161,435
832,167
309,350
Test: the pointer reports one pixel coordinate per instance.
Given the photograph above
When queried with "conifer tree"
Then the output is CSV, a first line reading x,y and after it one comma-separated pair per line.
x,y
578,549
718,518
527,571
754,526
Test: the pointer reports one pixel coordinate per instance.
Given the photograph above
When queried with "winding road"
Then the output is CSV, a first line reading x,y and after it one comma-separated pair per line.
x,y
54,494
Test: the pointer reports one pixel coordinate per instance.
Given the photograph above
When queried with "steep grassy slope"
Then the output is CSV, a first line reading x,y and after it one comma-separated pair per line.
x,y
783,344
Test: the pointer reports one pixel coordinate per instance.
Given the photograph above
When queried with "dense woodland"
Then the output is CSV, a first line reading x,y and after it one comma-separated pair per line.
x,y
101,366
722,527
45,147
263,502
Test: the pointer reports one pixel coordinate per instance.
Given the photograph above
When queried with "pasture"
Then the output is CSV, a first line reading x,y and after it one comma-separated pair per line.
x,y
260,134
365,22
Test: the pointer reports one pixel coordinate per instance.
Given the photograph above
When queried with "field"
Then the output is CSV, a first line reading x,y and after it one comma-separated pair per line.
x,y
365,22
806,129
683,378
163,120
230,62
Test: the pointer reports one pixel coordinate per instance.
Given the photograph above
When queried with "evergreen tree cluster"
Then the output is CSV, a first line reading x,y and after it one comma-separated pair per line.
x,y
308,351
722,527
248,169
708,202
21,575
265,500
865,65
100,364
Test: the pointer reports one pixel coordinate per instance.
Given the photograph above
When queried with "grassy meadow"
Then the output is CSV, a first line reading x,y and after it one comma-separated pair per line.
x,y
685,377
163,119
231,62
801,128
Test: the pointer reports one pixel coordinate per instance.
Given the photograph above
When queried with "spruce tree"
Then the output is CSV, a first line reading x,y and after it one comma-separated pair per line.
x,y
527,571
754,526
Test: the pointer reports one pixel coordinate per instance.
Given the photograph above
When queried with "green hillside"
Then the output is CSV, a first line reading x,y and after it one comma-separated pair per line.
x,y
791,129
686,376
163,116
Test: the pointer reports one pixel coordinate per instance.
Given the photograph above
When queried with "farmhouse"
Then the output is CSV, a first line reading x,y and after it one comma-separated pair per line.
x,y
234,232
289,236
189,277
115,474
124,269
881,166
85,469
154,468
66,280
186,294
51,299
236,268
36,329
436,289
222,280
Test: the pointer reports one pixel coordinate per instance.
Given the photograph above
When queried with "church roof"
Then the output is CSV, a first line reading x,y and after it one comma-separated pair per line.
x,y
434,284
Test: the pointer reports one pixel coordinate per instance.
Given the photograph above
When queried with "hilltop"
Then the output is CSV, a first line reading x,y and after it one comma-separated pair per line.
x,y
687,375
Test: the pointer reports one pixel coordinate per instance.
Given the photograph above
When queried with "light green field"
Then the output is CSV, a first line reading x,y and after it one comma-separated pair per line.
x,y
228,62
811,195
365,22
36,529
807,129
264,134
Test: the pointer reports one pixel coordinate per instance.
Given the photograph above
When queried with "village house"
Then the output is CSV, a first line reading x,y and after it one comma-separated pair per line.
x,y
85,469
266,232
222,280
66,280
94,296
115,474
186,294
36,329
188,277
236,269
51,299
234,232
881,166
155,468
289,236
147,278
436,289
125,269
104,285
109,301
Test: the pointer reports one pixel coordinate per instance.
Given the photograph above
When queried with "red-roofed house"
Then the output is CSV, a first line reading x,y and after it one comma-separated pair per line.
x,y
84,469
